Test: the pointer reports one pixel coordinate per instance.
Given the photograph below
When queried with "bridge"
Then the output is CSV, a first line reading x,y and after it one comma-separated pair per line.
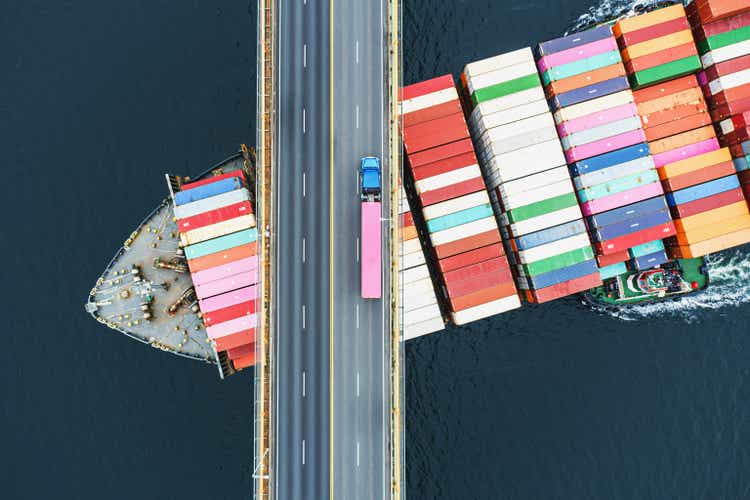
x,y
328,395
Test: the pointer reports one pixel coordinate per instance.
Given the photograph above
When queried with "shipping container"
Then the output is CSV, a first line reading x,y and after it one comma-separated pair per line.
x,y
558,275
601,132
576,53
216,230
647,248
684,152
610,159
227,284
225,270
208,180
468,242
219,258
593,106
710,217
566,288
699,176
615,186
707,203
207,190
590,92
228,313
651,260
544,221
470,257
710,231
655,17
452,191
627,212
483,296
613,270
614,258
630,240
228,299
232,326
426,87
619,171
578,153
712,245
215,216
703,190
455,205
549,235
621,199
597,119
629,226
235,340
485,310
415,330
213,203
575,40
220,244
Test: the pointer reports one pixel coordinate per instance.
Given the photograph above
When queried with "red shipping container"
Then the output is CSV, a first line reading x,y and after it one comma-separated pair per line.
x,y
741,120
215,178
483,296
452,191
630,240
475,271
407,219
228,313
614,258
244,361
713,10
471,257
702,31
708,203
468,243
475,284
733,94
724,111
427,87
567,288
440,153
677,126
214,216
657,58
699,176
435,133
726,68
653,31
235,340
665,88
737,136
431,113
448,164
241,351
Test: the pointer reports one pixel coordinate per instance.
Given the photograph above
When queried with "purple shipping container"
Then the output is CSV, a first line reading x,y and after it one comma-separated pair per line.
x,y
650,260
631,225
574,40
589,92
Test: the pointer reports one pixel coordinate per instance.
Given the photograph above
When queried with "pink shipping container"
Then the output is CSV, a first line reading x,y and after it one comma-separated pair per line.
x,y
228,299
226,284
621,199
673,155
225,270
231,326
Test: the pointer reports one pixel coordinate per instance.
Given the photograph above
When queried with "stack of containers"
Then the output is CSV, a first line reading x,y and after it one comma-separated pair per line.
x,y
612,168
421,312
703,190
530,187
453,202
706,11
657,46
217,229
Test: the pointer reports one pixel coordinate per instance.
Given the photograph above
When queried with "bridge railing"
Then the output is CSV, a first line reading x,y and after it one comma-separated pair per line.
x,y
263,421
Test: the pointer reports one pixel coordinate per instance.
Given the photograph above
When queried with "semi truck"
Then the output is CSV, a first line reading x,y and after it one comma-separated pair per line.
x,y
370,238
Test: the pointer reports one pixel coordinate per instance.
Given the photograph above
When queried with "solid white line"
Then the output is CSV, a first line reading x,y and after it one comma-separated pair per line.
x,y
303,384
304,254
356,313
304,130
304,56
304,184
357,183
303,452
357,453
356,51
357,249
303,316
357,384
357,116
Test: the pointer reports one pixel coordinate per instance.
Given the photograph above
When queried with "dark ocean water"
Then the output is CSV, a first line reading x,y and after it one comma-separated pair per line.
x,y
552,402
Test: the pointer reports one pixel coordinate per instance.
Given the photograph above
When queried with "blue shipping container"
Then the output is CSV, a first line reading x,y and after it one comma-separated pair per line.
x,y
610,159
703,190
650,260
632,225
627,212
741,163
207,190
606,174
561,275
646,248
551,234
574,40
589,92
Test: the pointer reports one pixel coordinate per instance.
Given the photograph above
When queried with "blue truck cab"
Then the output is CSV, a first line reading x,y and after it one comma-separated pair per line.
x,y
369,178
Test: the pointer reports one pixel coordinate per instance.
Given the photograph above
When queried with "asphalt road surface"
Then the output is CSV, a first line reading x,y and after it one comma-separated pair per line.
x,y
331,425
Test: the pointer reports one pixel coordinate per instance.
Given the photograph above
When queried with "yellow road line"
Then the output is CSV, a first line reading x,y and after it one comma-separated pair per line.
x,y
330,250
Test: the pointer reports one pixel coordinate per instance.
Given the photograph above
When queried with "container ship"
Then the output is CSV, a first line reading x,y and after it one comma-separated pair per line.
x,y
604,164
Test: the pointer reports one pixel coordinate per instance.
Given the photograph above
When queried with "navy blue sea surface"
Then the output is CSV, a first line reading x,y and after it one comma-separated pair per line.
x,y
549,402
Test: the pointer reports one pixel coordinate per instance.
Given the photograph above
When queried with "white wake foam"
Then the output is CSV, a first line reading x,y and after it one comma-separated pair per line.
x,y
612,9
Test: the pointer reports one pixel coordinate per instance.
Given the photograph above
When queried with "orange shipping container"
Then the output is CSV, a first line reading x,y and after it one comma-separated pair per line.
x,y
483,296
672,113
709,217
699,176
676,126
694,163
725,226
657,44
665,88
584,79
219,258
683,139
658,58
408,233
710,246
649,19
691,96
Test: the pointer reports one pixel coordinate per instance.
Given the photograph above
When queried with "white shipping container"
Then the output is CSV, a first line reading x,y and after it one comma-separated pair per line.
x,y
422,314
593,106
211,203
455,204
522,141
410,246
413,301
422,328
484,310
730,81
601,132
536,195
534,181
463,231
545,220
725,53
476,68
509,101
219,229
506,116
448,178
525,126
553,248
526,161
414,274
614,172
501,75
428,100
413,259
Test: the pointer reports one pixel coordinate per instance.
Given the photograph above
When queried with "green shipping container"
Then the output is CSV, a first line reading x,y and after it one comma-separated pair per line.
x,y
647,248
505,88
581,66
618,185
541,207
221,243
558,261
724,39
613,270
664,72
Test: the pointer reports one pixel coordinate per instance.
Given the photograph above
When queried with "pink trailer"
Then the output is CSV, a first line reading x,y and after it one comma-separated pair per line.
x,y
370,255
